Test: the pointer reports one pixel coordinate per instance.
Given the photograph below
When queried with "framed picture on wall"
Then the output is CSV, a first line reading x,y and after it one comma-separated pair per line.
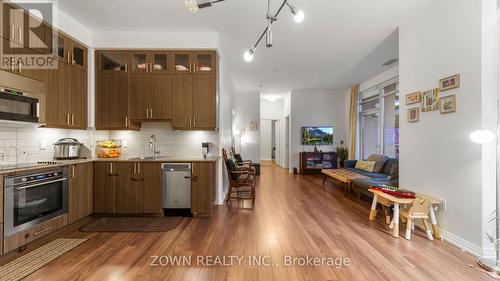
x,y
448,104
449,83
430,100
413,114
414,98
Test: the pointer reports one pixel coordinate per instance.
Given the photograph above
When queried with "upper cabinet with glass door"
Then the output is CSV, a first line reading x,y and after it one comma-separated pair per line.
x,y
139,62
78,55
160,62
205,61
183,62
112,61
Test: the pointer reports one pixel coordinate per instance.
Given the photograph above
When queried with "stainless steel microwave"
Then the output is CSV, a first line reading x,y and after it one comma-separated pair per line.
x,y
16,107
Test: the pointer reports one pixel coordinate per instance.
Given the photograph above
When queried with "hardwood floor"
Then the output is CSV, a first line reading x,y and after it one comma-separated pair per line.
x,y
295,216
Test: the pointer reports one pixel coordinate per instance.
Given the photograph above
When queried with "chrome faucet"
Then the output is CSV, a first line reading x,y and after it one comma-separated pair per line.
x,y
152,145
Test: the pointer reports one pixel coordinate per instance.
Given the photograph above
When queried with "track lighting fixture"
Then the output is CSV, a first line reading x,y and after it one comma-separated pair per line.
x,y
298,15
193,6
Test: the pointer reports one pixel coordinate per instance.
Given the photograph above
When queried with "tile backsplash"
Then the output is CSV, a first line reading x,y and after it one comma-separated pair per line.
x,y
170,142
28,144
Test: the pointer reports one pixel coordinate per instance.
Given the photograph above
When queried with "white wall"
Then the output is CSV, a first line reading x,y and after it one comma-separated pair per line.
x,y
437,157
247,110
271,110
321,108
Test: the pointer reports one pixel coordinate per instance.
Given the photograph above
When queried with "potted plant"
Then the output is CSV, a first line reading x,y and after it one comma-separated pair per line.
x,y
342,154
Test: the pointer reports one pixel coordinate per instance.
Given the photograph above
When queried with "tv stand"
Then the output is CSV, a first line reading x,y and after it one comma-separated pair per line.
x,y
314,162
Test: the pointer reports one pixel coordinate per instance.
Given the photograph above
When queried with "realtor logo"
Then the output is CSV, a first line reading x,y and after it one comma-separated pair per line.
x,y
28,37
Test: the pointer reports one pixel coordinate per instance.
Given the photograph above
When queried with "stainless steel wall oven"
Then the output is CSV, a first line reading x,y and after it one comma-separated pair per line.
x,y
33,198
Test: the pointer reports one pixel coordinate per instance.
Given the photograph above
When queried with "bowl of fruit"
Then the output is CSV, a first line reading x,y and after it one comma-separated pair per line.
x,y
109,149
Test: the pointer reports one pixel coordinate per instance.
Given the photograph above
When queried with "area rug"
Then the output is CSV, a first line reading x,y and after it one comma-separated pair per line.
x,y
36,259
132,224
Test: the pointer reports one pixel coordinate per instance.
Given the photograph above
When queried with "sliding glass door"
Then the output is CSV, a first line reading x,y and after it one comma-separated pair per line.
x,y
379,120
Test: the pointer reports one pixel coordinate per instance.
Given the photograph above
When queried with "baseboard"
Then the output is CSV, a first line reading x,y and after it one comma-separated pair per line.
x,y
467,246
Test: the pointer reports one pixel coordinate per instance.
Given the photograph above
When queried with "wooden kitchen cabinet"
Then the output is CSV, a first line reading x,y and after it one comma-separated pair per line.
x,y
112,110
127,188
194,102
127,193
105,182
182,101
80,191
57,96
149,87
78,97
150,188
158,85
204,102
202,188
111,103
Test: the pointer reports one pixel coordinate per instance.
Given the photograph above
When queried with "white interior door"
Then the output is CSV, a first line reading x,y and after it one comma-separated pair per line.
x,y
277,137
265,140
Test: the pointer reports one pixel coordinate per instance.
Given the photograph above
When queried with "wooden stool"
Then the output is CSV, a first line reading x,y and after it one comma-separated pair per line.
x,y
419,210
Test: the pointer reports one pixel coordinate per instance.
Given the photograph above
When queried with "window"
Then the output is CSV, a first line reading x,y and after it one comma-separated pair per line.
x,y
379,120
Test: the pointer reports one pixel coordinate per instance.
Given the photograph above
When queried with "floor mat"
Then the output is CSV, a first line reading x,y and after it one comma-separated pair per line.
x,y
36,259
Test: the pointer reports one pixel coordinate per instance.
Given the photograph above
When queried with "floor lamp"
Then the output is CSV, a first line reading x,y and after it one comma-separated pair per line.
x,y
486,136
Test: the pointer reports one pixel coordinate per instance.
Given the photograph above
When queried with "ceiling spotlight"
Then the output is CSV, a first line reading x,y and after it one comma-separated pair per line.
x,y
193,6
248,56
298,15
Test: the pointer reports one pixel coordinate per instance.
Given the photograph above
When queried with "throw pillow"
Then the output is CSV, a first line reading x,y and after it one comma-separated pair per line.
x,y
367,166
232,167
394,176
380,161
233,158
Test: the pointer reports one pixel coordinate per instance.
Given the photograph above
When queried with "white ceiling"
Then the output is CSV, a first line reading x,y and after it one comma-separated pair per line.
x,y
339,43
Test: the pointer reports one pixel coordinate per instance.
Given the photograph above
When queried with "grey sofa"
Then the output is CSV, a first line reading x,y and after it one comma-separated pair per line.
x,y
363,184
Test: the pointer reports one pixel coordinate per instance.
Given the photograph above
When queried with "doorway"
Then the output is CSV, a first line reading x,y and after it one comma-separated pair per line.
x,y
270,139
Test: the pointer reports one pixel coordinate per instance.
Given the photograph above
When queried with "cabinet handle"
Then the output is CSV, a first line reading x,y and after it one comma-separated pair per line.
x,y
111,168
138,168
72,58
69,58
190,124
151,66
151,114
72,119
194,121
73,171
147,113
126,121
126,67
134,172
67,119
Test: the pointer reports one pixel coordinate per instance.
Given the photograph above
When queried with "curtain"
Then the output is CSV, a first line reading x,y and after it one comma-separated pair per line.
x,y
353,114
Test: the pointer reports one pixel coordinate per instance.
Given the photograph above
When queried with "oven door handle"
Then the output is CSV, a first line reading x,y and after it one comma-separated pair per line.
x,y
38,184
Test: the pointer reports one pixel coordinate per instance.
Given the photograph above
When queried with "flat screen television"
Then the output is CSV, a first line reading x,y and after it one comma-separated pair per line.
x,y
317,135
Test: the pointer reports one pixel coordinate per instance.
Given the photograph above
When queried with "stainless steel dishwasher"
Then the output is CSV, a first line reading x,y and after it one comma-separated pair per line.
x,y
176,189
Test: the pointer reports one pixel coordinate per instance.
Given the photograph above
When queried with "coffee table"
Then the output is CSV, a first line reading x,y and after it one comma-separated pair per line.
x,y
342,175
